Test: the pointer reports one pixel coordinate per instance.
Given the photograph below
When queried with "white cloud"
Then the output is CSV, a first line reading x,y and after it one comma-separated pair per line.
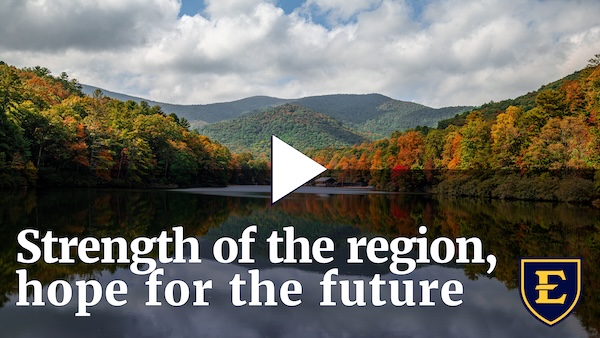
x,y
455,52
54,26
219,8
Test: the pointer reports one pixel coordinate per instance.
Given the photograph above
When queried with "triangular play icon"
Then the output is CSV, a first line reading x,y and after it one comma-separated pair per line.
x,y
290,169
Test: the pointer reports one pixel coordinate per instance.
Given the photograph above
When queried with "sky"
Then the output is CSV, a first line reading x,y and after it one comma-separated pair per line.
x,y
434,52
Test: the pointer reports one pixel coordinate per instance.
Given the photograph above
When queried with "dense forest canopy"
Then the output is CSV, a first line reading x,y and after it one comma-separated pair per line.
x,y
302,128
53,134
324,121
543,146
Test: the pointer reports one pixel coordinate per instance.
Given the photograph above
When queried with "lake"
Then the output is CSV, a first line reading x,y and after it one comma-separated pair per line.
x,y
491,305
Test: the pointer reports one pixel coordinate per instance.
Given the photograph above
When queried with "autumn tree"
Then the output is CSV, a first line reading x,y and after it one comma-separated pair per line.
x,y
552,103
506,139
561,144
452,154
434,147
475,143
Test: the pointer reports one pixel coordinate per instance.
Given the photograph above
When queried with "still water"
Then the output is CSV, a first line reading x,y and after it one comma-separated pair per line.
x,y
491,303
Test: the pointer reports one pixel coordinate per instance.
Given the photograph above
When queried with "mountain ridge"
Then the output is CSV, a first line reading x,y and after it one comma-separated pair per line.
x,y
372,115
299,126
213,112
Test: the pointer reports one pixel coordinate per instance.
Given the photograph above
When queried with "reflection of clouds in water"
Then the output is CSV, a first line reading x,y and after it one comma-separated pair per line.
x,y
488,310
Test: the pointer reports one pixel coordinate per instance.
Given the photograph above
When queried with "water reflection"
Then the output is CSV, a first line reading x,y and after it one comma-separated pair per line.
x,y
491,306
483,313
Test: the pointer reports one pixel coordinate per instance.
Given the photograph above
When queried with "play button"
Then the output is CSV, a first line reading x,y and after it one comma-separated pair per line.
x,y
290,169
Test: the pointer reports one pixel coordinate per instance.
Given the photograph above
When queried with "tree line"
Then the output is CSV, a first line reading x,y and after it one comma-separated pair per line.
x,y
52,134
546,146
549,150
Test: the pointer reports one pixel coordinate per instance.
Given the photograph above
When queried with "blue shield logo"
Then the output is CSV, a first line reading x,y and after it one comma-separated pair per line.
x,y
551,287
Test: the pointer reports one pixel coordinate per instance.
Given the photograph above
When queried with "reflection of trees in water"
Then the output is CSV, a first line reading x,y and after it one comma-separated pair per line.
x,y
508,229
99,214
390,215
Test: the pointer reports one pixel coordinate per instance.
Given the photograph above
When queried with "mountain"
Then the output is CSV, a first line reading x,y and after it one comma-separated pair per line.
x,y
373,115
352,108
200,114
347,119
394,120
302,128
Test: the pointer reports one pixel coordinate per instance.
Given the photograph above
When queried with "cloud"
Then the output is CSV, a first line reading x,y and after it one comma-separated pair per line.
x,y
338,11
441,53
219,8
53,26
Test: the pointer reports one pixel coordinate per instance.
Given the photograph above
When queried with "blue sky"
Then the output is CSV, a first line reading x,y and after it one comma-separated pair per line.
x,y
192,7
434,52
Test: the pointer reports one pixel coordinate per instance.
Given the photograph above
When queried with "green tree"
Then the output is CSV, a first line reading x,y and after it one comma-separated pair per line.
x,y
552,102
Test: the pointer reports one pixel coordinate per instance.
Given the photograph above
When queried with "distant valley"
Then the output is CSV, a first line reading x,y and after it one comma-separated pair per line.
x,y
315,121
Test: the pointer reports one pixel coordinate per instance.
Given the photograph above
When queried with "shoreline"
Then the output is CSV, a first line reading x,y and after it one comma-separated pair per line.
x,y
232,190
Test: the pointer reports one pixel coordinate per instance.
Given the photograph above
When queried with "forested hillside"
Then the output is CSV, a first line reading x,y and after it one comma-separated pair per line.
x,y
377,116
53,134
546,147
402,119
354,109
298,126
374,116
200,114
330,121
526,102
542,146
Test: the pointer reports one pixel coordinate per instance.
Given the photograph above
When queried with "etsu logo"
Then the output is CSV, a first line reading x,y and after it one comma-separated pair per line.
x,y
550,287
